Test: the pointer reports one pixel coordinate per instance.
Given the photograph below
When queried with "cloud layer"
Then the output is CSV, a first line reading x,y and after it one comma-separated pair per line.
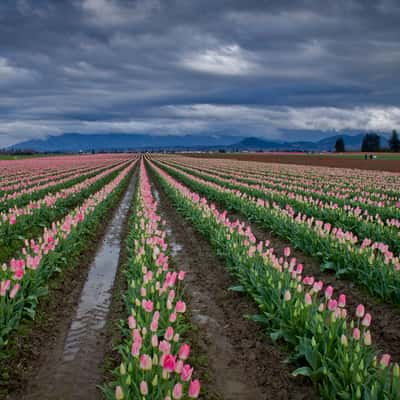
x,y
190,67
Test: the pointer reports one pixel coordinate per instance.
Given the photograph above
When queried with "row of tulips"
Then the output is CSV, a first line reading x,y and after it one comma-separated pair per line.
x,y
370,265
154,361
334,351
15,231
50,200
45,177
290,192
344,183
13,170
362,203
366,203
24,197
25,279
347,219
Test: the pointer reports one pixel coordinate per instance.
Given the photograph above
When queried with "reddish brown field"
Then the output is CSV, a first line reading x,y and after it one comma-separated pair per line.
x,y
318,160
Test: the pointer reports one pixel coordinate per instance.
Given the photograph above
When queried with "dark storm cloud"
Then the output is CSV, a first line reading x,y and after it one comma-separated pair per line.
x,y
188,66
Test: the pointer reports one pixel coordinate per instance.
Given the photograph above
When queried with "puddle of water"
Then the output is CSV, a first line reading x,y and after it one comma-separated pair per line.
x,y
71,371
95,298
156,194
175,247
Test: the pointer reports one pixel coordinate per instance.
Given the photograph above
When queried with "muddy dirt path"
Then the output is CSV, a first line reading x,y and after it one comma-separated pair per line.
x,y
239,361
70,365
311,160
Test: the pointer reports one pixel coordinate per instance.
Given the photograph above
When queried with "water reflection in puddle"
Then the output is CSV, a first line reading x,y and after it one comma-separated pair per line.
x,y
95,298
174,246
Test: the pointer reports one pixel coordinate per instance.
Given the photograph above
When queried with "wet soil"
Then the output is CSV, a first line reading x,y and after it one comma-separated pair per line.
x,y
65,362
233,355
315,160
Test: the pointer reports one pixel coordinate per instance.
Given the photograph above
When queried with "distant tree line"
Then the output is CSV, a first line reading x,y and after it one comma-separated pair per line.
x,y
371,143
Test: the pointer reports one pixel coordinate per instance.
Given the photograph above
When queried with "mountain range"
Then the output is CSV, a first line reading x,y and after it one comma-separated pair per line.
x,y
75,142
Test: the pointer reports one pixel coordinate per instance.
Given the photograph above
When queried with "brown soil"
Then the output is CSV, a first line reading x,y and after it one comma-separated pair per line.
x,y
233,356
385,327
322,161
41,348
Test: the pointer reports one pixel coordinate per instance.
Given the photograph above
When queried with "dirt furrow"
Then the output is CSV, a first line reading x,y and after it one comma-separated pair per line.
x,y
236,359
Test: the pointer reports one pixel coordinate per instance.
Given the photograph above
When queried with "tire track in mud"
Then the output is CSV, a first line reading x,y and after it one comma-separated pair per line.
x,y
70,366
241,361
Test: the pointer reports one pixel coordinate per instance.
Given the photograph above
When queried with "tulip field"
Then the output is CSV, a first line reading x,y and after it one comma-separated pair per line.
x,y
237,279
35,230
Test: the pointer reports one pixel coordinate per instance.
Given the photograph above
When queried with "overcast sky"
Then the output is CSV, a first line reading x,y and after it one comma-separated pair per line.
x,y
158,66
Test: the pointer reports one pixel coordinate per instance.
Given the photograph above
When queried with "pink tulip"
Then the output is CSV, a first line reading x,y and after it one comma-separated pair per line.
x,y
14,290
299,269
184,351
144,390
119,394
169,333
367,320
186,373
342,300
145,362
328,292
360,311
177,391
172,318
332,305
194,389
308,299
169,362
286,251
147,305
131,322
385,360
181,275
180,306
5,285
356,334
164,347
135,350
179,366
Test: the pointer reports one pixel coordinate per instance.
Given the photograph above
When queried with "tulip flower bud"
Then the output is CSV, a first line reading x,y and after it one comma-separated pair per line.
x,y
385,360
154,382
119,394
367,338
143,388
122,369
360,311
